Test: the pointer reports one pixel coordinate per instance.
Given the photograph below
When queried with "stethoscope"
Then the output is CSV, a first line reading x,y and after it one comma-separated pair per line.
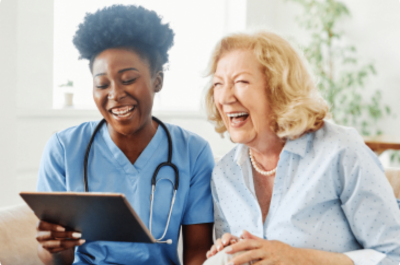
x,y
153,180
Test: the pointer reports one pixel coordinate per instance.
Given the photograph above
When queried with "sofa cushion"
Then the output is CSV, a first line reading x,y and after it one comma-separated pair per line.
x,y
18,245
393,175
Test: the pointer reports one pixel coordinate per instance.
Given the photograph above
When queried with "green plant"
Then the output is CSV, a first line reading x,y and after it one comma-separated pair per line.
x,y
68,84
341,80
395,156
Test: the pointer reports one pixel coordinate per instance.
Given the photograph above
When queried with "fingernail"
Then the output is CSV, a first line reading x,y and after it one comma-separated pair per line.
x,y
82,241
224,242
76,235
228,249
45,233
60,229
218,248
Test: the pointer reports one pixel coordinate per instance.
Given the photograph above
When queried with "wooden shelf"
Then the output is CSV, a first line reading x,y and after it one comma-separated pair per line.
x,y
382,143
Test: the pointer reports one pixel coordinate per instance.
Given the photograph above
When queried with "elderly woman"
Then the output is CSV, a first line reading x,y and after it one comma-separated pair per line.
x,y
297,189
126,47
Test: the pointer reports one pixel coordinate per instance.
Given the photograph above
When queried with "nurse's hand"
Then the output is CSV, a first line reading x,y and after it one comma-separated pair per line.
x,y
54,238
226,240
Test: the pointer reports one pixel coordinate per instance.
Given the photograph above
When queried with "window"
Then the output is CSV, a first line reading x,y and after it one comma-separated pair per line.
x,y
197,25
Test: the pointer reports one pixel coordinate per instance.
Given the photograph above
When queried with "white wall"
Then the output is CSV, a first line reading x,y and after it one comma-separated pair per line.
x,y
35,54
375,30
8,88
26,30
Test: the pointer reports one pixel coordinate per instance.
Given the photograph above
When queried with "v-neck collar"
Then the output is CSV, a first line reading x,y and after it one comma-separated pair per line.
x,y
143,158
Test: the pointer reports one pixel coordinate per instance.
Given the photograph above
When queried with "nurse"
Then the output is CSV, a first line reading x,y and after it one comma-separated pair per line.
x,y
127,47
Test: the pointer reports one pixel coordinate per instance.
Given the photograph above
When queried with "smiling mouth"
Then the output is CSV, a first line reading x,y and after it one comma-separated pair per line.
x,y
123,111
237,117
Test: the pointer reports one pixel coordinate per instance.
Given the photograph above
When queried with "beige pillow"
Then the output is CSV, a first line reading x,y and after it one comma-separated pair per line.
x,y
393,175
17,236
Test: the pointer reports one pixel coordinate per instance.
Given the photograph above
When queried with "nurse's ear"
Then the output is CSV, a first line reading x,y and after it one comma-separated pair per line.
x,y
158,81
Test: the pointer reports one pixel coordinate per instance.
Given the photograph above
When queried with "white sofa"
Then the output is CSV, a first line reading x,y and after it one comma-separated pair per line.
x,y
18,229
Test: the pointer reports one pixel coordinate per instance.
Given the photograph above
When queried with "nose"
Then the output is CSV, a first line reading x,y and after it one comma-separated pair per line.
x,y
224,94
116,92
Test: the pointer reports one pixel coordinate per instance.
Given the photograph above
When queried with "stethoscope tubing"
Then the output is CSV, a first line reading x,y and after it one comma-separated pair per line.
x,y
168,163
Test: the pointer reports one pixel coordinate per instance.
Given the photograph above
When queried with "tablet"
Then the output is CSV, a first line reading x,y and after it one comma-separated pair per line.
x,y
98,216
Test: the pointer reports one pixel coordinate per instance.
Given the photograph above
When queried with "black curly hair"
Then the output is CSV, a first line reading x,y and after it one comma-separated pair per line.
x,y
119,26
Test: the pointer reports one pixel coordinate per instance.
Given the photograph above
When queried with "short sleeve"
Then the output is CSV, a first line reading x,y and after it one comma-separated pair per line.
x,y
51,175
369,203
199,205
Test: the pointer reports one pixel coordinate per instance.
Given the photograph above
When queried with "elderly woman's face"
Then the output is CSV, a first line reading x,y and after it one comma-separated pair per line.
x,y
123,89
240,96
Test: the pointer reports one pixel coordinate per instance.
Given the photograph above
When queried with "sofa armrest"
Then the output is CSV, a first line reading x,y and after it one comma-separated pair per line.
x,y
17,236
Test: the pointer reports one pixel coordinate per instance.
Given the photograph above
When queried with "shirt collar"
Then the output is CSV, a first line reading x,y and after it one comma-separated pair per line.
x,y
241,154
297,146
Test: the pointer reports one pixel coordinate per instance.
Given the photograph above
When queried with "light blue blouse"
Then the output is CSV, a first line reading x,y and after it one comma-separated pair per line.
x,y
330,193
61,169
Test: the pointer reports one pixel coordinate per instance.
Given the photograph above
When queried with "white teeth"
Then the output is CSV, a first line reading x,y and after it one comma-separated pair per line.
x,y
114,111
233,115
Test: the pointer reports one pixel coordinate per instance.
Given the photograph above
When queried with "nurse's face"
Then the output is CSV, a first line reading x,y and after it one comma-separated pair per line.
x,y
124,88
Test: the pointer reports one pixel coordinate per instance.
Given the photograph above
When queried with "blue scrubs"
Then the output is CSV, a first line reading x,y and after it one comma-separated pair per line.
x,y
109,170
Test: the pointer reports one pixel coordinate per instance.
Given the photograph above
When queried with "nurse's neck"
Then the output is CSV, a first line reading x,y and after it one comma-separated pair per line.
x,y
132,139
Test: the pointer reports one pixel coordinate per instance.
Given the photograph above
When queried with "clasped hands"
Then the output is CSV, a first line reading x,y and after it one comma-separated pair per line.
x,y
256,250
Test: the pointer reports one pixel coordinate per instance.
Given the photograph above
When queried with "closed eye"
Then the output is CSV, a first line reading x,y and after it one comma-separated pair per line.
x,y
242,81
217,84
128,82
102,87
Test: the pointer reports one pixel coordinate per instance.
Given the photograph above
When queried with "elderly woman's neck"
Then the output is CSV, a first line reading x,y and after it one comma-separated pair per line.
x,y
266,150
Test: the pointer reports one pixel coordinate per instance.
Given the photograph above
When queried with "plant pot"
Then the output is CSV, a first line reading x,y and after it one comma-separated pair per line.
x,y
68,99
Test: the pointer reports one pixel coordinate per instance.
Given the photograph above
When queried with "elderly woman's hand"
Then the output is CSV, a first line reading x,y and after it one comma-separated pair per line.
x,y
272,252
265,251
226,240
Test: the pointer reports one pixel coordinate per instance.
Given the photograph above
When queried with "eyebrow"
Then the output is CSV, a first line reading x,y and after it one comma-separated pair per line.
x,y
244,72
128,69
121,71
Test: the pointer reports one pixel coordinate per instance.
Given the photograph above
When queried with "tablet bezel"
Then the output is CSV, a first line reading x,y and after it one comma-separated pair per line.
x,y
31,199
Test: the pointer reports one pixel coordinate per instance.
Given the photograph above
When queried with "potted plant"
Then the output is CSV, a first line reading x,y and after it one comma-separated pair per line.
x,y
341,80
68,93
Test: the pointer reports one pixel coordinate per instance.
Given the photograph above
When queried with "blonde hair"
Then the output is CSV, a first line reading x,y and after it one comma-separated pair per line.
x,y
296,105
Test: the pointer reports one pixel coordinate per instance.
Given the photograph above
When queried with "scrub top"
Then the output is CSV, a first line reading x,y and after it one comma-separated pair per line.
x,y
109,170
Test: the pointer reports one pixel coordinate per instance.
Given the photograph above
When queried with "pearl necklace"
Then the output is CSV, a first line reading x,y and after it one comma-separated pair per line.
x,y
259,170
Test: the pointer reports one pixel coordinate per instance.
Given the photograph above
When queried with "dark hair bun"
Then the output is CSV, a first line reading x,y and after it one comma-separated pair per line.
x,y
124,26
